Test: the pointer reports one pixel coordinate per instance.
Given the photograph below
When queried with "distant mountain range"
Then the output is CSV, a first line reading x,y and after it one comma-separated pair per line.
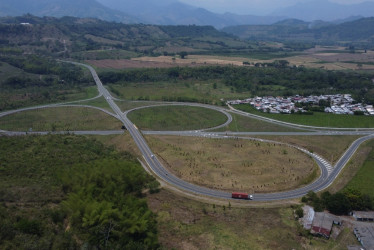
x,y
60,8
326,10
173,12
359,31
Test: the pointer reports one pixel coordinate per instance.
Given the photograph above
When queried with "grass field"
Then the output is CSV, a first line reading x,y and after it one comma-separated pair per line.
x,y
98,102
317,119
235,165
176,118
104,54
189,90
246,124
60,119
188,224
351,169
329,147
127,105
364,178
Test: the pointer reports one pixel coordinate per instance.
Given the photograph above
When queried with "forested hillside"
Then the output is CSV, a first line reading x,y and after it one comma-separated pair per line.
x,y
29,80
67,36
359,32
69,192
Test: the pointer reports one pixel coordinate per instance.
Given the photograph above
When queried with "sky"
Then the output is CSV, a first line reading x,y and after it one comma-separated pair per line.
x,y
257,7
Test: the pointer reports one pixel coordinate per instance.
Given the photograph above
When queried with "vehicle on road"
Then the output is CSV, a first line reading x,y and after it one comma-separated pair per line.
x,y
243,196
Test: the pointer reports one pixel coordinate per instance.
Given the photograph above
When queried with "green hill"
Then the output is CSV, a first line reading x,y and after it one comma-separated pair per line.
x,y
64,36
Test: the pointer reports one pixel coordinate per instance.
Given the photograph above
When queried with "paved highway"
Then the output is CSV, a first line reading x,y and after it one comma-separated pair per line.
x,y
328,175
157,168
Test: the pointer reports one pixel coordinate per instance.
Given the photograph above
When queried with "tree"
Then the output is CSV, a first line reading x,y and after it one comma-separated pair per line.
x,y
338,204
105,201
183,54
325,197
299,212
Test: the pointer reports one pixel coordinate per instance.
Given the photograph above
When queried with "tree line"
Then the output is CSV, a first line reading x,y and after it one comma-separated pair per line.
x,y
259,80
68,73
340,203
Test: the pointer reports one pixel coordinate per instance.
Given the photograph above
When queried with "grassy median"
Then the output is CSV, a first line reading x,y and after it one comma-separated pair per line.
x,y
235,165
60,119
176,118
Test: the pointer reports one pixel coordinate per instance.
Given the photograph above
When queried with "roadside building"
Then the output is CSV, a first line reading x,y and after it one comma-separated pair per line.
x,y
322,224
365,235
363,216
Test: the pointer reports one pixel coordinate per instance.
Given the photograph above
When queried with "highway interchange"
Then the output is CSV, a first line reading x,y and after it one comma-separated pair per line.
x,y
328,172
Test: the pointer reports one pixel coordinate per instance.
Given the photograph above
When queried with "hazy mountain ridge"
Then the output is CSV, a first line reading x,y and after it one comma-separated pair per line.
x,y
326,10
360,31
173,12
165,12
60,8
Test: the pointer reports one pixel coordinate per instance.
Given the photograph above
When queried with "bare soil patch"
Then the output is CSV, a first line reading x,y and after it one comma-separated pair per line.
x,y
150,62
124,63
341,57
196,60
313,58
234,165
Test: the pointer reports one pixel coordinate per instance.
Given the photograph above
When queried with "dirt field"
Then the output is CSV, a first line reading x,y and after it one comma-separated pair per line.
x,y
320,59
122,64
166,62
234,165
333,58
196,60
154,62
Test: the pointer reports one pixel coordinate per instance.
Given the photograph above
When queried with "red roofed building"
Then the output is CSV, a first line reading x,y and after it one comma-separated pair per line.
x,y
322,224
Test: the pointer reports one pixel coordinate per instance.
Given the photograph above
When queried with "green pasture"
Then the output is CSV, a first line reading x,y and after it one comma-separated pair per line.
x,y
317,119
364,178
212,91
176,118
59,119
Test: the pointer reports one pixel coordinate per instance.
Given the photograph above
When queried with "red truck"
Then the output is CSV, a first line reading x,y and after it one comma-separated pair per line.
x,y
243,196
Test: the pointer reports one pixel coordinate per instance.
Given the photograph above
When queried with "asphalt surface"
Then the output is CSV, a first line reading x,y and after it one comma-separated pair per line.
x,y
328,175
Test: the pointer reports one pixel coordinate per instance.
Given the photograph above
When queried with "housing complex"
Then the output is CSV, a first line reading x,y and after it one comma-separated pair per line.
x,y
336,104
